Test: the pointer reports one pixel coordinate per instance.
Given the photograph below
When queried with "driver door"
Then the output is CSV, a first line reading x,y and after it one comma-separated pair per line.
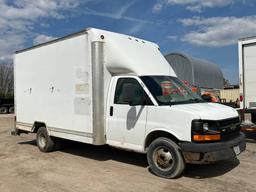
x,y
127,119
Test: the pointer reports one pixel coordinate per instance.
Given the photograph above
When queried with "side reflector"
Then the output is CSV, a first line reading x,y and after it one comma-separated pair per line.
x,y
206,137
241,98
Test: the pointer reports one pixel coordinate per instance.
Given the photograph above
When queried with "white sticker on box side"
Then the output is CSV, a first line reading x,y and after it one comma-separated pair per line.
x,y
82,75
82,88
82,106
81,80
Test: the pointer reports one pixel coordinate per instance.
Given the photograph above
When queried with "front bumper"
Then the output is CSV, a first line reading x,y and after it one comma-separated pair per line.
x,y
213,152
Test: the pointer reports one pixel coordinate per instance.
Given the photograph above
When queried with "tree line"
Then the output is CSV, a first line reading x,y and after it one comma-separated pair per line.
x,y
6,80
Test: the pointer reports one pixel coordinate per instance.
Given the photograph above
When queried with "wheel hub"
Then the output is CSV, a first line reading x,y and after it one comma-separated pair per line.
x,y
42,140
163,158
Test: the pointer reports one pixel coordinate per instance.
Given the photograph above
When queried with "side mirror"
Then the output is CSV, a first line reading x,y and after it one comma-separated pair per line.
x,y
129,93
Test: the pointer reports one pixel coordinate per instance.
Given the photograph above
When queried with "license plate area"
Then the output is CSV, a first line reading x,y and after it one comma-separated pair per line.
x,y
237,150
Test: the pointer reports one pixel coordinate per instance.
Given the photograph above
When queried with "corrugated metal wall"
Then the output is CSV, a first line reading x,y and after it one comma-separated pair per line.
x,y
207,74
197,72
180,65
229,94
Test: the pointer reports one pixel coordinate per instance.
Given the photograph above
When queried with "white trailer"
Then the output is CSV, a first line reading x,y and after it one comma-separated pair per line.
x,y
247,75
101,87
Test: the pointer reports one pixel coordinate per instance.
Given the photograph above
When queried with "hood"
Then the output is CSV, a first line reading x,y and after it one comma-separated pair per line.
x,y
208,111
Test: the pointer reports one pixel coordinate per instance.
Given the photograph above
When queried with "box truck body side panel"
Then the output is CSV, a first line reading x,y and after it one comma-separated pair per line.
x,y
249,71
54,85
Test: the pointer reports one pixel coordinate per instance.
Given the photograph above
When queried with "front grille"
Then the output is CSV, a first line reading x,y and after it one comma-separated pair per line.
x,y
231,135
228,122
229,128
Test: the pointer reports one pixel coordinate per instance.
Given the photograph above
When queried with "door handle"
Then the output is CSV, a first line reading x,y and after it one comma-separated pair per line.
x,y
111,111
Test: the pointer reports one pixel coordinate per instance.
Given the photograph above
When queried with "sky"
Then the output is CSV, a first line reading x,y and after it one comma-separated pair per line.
x,y
207,29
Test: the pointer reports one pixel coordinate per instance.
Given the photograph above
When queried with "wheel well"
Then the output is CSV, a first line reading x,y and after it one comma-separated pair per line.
x,y
37,125
156,134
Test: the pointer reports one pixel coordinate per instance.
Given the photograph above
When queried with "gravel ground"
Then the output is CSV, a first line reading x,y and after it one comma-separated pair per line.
x,y
80,167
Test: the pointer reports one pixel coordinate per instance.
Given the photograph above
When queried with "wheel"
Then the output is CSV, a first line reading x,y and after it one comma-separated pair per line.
x,y
11,110
165,159
3,110
44,142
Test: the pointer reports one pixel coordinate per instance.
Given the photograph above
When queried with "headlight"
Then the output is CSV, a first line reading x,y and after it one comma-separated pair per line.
x,y
197,126
205,127
201,131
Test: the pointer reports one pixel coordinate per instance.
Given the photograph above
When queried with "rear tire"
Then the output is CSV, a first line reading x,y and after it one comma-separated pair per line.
x,y
3,110
11,110
44,142
165,159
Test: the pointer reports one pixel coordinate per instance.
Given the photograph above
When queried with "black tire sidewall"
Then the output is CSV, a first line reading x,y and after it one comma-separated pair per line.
x,y
3,110
11,110
49,146
178,160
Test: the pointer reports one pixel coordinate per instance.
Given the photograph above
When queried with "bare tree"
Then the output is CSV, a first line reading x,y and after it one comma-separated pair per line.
x,y
6,79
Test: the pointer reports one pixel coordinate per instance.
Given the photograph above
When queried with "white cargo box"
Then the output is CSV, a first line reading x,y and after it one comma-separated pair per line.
x,y
64,83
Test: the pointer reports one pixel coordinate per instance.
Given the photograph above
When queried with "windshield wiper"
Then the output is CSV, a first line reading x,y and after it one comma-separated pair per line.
x,y
196,100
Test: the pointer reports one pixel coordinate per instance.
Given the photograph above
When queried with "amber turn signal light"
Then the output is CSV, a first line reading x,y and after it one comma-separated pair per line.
x,y
206,137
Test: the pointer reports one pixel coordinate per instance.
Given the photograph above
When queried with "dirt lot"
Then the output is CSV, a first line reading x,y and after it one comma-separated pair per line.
x,y
81,167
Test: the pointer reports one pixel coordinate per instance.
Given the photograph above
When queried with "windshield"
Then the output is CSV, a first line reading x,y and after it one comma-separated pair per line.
x,y
170,90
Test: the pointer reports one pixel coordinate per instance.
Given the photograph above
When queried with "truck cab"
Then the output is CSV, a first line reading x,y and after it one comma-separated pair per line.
x,y
161,116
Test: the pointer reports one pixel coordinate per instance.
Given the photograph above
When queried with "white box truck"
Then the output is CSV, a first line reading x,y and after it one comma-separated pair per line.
x,y
101,87
247,75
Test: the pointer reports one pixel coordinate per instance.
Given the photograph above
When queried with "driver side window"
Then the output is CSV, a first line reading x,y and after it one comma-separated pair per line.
x,y
139,95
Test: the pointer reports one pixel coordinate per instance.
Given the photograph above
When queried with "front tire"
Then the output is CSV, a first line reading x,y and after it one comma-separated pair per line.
x,y
165,159
44,142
